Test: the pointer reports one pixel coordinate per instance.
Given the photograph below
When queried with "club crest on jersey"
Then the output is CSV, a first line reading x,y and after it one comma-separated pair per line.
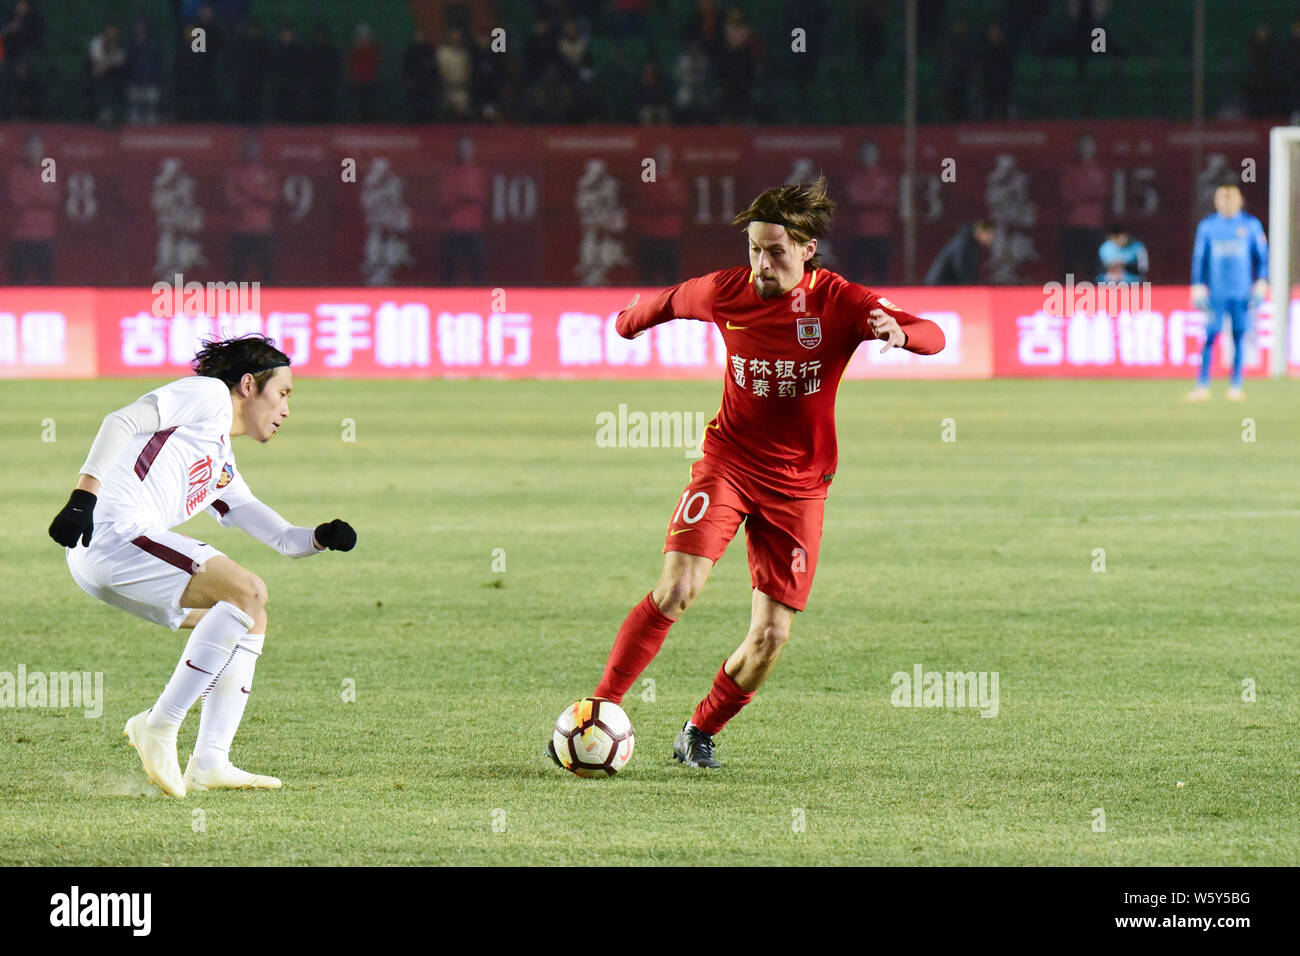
x,y
810,331
227,473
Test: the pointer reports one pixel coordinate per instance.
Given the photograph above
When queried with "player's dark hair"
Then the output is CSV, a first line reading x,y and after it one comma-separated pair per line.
x,y
231,359
1116,228
803,208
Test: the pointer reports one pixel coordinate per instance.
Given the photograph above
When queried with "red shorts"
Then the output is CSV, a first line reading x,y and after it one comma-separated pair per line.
x,y
782,534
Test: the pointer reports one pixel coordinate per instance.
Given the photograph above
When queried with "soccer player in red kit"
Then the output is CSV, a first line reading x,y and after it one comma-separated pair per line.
x,y
790,328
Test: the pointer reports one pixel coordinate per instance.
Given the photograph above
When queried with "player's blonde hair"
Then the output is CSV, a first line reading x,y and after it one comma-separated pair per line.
x,y
803,208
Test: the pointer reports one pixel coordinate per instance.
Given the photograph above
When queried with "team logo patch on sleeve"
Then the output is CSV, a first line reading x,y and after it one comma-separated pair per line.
x,y
227,473
810,331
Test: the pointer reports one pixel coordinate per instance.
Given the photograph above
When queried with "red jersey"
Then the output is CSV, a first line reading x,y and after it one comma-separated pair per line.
x,y
35,203
1084,189
663,209
874,192
464,198
777,420
251,192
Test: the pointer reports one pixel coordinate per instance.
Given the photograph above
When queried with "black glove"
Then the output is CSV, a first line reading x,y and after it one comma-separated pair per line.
x,y
336,535
76,520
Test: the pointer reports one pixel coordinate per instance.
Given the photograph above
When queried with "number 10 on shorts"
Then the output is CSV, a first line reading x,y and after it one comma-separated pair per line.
x,y
690,501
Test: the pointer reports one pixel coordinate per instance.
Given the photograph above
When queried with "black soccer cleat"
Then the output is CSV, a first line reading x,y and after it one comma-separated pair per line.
x,y
694,748
550,752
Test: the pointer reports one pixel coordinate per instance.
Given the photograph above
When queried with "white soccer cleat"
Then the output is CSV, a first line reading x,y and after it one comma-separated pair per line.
x,y
228,777
1236,395
157,749
1197,395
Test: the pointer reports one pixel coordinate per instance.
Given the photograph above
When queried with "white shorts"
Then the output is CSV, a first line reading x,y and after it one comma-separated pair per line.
x,y
140,569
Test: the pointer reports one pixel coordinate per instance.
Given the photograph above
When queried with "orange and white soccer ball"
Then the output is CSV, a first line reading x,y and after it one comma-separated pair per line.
x,y
594,738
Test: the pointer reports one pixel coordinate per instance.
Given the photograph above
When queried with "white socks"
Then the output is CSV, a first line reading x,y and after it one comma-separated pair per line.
x,y
206,652
223,704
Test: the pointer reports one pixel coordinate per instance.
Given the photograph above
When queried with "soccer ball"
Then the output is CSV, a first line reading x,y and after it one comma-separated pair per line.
x,y
593,738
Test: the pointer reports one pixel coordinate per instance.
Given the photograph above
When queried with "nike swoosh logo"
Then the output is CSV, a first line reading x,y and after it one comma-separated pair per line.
x,y
683,531
244,689
735,328
199,669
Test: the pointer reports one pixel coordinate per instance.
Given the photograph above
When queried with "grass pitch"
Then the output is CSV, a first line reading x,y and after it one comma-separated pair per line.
x,y
1121,691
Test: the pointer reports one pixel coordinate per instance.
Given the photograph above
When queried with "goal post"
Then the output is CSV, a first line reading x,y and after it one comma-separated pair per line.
x,y
1283,236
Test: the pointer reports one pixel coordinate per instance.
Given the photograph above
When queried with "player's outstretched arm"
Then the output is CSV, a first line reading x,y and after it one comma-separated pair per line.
x,y
77,519
266,525
686,300
899,329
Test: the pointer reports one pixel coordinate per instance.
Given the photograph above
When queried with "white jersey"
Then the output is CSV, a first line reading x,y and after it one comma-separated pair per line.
x,y
163,479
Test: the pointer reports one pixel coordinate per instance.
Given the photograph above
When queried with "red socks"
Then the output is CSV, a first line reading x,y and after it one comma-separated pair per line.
x,y
638,641
725,699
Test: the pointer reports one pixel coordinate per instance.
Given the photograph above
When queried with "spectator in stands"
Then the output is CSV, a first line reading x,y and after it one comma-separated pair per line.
x,y
799,70
1083,17
249,57
1083,187
464,198
1123,258
958,263
487,69
958,69
653,102
27,92
251,192
363,72
1022,24
997,73
576,72
231,14
210,80
24,33
705,24
288,66
1291,62
545,96
738,66
455,75
35,204
1261,84
540,53
195,75
631,17
873,196
420,78
324,66
660,210
696,89
108,71
144,75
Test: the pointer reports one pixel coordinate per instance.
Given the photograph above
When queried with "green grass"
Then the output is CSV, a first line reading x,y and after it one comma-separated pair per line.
x,y
973,555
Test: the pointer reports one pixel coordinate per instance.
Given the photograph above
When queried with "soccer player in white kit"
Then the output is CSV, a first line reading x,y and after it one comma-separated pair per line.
x,y
151,467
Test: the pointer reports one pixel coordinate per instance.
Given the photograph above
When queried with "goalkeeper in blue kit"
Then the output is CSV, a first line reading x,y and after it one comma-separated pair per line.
x,y
1229,277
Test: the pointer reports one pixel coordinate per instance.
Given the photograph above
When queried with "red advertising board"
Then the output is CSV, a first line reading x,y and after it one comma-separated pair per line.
x,y
569,333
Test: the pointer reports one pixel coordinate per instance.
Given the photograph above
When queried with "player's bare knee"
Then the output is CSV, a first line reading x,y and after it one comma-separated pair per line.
x,y
249,594
768,639
675,595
